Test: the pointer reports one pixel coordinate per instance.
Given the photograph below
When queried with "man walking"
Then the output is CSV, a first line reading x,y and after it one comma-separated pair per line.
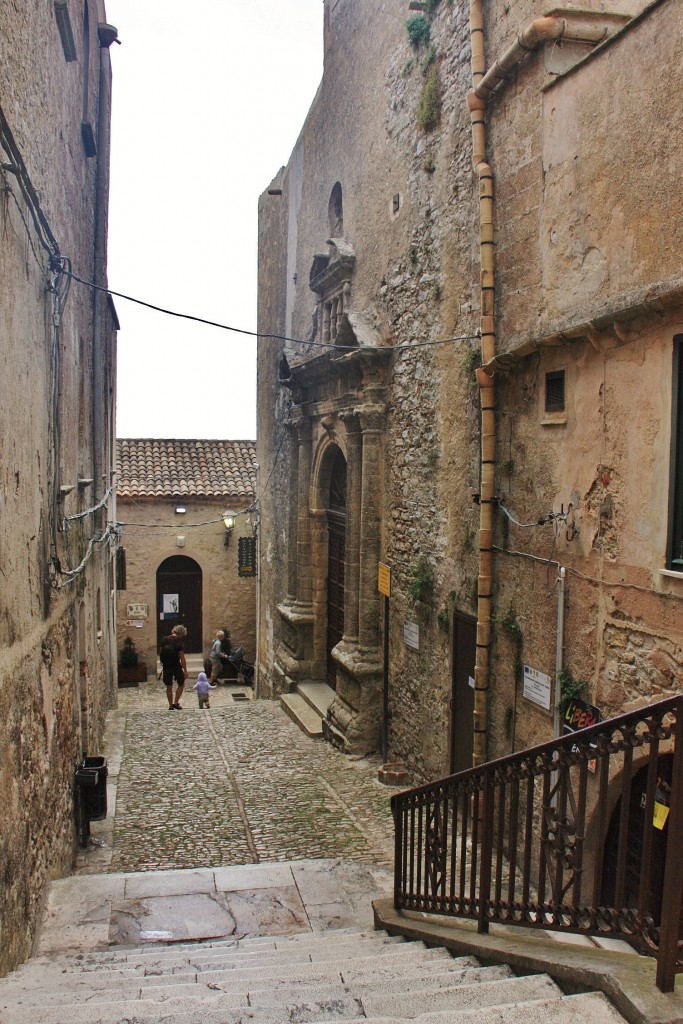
x,y
172,657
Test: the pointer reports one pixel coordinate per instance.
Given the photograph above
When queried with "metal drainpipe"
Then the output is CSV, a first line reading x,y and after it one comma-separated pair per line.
x,y
483,84
559,650
476,106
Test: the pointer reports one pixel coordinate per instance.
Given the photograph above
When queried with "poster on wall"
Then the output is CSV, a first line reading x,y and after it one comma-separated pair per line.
x,y
537,688
169,606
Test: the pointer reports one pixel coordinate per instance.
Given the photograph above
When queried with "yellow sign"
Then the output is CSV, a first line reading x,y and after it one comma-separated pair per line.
x,y
660,815
384,580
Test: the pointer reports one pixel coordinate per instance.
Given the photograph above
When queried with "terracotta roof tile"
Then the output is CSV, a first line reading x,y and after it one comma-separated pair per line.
x,y
164,468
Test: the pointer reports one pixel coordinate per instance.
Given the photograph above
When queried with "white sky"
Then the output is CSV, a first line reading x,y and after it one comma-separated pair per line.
x,y
209,98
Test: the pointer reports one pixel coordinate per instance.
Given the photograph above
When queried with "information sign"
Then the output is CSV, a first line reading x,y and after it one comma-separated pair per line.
x,y
384,580
537,687
411,635
246,556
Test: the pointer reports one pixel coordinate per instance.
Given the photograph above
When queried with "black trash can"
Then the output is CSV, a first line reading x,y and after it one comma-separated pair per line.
x,y
91,778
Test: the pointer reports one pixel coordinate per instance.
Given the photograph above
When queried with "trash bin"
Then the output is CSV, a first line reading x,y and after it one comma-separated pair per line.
x,y
91,778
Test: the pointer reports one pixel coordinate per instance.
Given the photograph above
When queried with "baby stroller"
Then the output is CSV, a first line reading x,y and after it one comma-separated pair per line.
x,y
245,669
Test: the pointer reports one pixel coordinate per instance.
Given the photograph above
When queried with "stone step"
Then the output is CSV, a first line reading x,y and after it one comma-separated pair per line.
x,y
288,995
463,997
318,695
302,714
203,960
228,952
556,1008
39,977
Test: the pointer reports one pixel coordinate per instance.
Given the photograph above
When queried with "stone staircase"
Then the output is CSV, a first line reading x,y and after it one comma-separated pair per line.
x,y
308,706
297,979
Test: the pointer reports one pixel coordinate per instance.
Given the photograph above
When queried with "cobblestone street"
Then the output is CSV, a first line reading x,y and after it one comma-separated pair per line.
x,y
238,784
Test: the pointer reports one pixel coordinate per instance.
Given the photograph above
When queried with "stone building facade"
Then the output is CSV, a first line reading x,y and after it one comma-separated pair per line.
x,y
181,564
57,338
459,198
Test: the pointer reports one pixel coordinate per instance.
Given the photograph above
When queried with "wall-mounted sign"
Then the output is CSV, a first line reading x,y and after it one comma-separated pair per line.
x,y
384,579
137,610
136,623
246,556
537,687
411,635
579,715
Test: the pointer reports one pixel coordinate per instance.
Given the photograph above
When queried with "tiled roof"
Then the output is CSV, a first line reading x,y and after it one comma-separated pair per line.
x,y
164,468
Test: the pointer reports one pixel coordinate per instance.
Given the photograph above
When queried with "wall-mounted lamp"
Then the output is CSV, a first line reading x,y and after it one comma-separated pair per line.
x,y
229,518
180,510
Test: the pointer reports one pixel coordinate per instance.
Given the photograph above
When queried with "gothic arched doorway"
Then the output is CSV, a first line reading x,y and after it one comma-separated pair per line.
x,y
179,599
336,561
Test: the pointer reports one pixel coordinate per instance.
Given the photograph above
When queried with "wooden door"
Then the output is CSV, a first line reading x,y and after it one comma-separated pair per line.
x,y
336,561
179,600
462,693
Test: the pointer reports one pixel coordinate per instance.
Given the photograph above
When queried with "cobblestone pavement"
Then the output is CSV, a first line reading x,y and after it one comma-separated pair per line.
x,y
238,784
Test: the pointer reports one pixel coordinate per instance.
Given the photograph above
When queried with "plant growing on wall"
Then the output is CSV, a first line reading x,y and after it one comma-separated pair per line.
x,y
571,689
429,108
421,581
418,31
513,632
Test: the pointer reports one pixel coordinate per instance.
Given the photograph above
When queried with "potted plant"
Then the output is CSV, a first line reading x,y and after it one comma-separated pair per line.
x,y
131,671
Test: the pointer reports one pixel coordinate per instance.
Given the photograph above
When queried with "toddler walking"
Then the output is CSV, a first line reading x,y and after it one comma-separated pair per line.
x,y
202,686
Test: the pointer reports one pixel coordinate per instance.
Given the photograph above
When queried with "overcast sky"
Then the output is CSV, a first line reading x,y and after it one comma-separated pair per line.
x,y
209,98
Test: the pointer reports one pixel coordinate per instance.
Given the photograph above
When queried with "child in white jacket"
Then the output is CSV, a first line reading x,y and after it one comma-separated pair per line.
x,y
202,686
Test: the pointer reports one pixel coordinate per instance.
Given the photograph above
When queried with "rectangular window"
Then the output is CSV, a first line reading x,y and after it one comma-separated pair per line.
x,y
65,31
674,559
554,391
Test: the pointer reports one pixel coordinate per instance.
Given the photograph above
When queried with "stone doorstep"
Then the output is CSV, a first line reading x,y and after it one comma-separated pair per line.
x,y
568,1010
627,981
302,714
318,695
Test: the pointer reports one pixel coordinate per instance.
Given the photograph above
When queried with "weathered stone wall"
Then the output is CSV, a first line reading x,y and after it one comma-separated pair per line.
x,y
227,599
414,282
56,415
586,232
573,165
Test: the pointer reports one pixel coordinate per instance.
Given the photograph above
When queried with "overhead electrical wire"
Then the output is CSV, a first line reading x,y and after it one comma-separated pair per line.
x,y
258,334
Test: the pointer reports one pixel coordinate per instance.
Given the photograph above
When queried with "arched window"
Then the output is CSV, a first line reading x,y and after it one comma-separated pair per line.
x,y
335,212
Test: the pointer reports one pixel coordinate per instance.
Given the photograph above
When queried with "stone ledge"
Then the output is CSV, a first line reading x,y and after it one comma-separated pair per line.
x,y
627,980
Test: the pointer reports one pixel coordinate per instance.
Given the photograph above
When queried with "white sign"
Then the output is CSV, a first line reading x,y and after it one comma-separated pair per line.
x,y
138,623
136,610
537,687
470,682
411,634
169,604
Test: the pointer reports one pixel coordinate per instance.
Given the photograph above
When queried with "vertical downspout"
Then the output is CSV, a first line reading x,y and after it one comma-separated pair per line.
x,y
477,109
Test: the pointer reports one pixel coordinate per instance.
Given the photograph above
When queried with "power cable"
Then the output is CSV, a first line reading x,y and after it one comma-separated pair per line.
x,y
257,334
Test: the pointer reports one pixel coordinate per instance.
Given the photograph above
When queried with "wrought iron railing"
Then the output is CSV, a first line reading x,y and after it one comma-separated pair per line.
x,y
581,834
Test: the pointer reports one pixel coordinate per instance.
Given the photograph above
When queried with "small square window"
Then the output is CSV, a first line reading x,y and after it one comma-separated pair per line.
x,y
554,391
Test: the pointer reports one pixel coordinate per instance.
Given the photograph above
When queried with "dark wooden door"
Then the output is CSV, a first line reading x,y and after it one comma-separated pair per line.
x,y
462,694
180,577
335,592
336,561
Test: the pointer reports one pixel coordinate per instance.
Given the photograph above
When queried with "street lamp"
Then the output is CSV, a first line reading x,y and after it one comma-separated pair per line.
x,y
229,518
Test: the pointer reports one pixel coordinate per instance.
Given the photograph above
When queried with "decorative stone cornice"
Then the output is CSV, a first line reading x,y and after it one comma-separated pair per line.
x,y
329,271
297,614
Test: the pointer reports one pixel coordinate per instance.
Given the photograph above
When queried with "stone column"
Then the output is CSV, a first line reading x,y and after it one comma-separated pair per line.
x,y
354,475
303,528
372,425
292,568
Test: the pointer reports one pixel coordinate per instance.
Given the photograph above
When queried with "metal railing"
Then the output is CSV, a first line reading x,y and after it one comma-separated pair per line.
x,y
581,834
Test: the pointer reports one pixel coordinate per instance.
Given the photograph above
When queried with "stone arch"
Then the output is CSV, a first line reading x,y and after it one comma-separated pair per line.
x,y
180,577
335,212
323,460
